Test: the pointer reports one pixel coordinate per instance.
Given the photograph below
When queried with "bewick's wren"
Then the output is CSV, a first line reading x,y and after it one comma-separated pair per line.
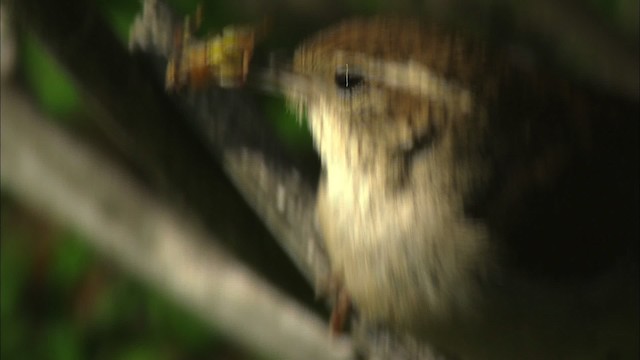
x,y
474,203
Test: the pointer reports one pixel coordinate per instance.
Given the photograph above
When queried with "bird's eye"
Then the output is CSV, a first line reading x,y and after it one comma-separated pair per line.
x,y
348,78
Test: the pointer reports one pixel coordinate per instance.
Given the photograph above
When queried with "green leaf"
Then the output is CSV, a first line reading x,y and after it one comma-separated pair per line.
x,y
142,351
120,15
72,259
289,128
14,267
50,84
62,341
14,342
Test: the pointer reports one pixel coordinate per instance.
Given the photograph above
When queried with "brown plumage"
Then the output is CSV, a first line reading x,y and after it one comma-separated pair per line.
x,y
476,203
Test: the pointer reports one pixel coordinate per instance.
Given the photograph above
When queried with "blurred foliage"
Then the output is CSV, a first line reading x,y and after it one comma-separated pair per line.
x,y
58,300
50,85
623,14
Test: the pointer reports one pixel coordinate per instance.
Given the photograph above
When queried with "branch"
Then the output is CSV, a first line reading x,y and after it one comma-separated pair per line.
x,y
247,147
150,129
68,181
131,108
257,166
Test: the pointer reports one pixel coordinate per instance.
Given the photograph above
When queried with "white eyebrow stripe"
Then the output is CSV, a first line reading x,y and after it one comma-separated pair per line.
x,y
416,79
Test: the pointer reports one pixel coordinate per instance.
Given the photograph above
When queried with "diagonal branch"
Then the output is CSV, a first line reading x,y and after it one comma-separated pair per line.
x,y
133,110
54,173
248,149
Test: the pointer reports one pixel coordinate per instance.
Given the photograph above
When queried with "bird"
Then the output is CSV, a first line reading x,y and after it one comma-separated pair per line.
x,y
484,205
